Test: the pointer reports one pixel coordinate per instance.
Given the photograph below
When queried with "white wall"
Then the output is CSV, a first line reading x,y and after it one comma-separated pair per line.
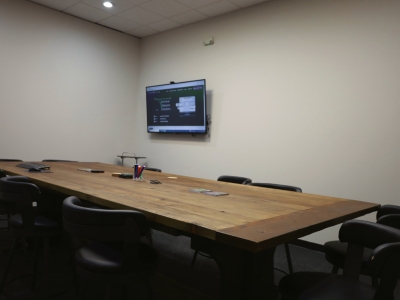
x,y
68,86
303,93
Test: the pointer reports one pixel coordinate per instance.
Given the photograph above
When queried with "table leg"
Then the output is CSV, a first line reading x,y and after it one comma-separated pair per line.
x,y
244,275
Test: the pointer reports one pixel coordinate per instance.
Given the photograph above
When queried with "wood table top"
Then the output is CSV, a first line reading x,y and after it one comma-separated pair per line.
x,y
251,218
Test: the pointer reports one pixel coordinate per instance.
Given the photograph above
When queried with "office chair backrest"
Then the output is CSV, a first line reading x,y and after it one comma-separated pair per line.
x,y
277,186
103,224
58,160
390,220
9,159
384,263
122,227
387,209
234,179
368,234
19,190
384,240
153,169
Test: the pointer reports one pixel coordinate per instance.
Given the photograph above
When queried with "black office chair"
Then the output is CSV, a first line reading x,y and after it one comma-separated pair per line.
x,y
384,263
234,179
225,178
7,207
28,222
123,262
153,169
9,159
285,188
335,251
58,160
277,186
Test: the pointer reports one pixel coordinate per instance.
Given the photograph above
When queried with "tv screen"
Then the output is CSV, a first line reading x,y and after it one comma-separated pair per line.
x,y
177,107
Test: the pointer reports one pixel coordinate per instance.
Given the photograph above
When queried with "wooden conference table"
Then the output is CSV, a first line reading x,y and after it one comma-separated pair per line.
x,y
241,230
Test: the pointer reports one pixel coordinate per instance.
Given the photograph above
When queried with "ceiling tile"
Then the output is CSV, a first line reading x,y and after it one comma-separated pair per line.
x,y
57,4
142,31
119,23
140,15
119,5
166,8
218,8
164,25
146,17
189,17
196,3
137,2
245,3
87,12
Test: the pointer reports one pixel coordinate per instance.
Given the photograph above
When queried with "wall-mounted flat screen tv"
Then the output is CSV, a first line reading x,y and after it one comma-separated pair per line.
x,y
177,107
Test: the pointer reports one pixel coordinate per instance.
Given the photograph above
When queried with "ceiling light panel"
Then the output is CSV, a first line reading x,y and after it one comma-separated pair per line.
x,y
87,12
118,5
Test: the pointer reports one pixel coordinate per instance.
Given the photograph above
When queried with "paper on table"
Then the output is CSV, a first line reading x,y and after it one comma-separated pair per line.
x,y
213,193
199,190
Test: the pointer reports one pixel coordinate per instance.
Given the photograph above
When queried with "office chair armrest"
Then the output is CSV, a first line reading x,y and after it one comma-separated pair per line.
x,y
392,220
387,210
385,256
368,234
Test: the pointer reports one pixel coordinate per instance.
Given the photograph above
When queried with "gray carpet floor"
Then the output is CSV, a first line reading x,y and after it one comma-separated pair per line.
x,y
178,249
175,278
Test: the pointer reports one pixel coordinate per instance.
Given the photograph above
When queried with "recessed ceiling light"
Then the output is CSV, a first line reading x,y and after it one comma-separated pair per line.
x,y
108,4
